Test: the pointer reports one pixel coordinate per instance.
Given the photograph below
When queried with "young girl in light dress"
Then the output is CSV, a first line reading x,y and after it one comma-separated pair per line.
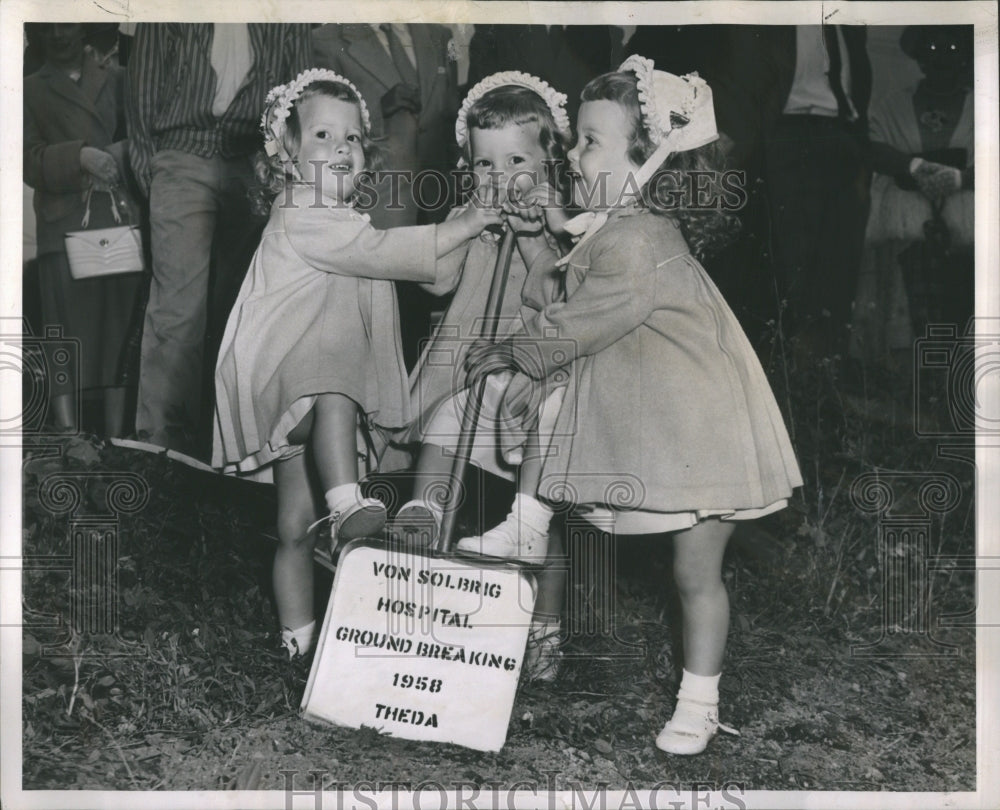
x,y
671,426
512,130
312,343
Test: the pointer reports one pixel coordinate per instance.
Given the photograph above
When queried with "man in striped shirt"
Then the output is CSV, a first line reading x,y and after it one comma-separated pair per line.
x,y
194,99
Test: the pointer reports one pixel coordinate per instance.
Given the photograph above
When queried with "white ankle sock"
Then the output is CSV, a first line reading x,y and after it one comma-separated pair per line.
x,y
531,512
702,688
298,642
342,497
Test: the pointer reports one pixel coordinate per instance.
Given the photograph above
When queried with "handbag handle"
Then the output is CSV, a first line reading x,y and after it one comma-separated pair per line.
x,y
115,212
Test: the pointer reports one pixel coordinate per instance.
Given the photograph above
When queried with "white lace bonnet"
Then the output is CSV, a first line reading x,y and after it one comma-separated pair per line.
x,y
678,114
278,106
676,110
555,100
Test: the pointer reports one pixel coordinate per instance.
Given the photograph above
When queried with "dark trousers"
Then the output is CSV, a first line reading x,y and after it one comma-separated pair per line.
x,y
816,187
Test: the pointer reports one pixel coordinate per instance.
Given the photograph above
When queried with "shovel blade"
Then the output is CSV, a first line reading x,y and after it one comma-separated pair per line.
x,y
421,645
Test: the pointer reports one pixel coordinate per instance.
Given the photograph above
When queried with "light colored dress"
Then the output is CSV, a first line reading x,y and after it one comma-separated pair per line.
x,y
437,384
668,416
316,314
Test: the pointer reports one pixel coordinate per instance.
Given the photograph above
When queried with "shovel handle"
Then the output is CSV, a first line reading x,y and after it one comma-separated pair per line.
x,y
473,404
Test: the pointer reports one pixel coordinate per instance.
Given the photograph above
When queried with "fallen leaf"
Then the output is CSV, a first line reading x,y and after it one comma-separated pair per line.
x,y
30,646
83,451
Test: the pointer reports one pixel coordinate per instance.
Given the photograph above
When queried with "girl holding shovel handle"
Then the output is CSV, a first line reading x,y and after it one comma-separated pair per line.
x,y
512,128
665,394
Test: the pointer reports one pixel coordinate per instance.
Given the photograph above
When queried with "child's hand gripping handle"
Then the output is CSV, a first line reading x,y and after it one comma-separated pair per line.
x,y
473,404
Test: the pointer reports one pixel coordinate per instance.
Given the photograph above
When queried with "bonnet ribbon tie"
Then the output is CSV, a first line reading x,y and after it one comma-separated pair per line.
x,y
582,227
585,225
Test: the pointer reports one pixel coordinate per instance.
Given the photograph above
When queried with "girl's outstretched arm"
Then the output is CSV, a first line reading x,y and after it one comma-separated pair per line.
x,y
451,266
353,247
616,296
469,223
529,216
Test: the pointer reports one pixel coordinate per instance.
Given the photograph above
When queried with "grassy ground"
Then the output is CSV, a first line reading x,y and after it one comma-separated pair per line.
x,y
190,695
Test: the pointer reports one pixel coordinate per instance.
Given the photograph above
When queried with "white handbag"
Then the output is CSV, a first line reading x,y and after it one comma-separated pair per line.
x,y
104,251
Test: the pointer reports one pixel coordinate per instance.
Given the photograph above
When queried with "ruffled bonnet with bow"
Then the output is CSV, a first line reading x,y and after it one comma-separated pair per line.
x,y
677,111
678,114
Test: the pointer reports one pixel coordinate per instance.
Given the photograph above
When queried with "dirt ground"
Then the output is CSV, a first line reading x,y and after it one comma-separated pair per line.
x,y
209,706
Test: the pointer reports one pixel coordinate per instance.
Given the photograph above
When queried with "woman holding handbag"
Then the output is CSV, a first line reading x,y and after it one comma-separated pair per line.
x,y
73,159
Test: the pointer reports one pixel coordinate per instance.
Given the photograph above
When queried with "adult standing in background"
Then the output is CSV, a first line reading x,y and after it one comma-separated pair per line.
x,y
73,129
800,95
408,76
923,155
195,94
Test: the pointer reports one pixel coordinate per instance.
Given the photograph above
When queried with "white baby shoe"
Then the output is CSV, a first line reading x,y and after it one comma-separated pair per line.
x,y
523,536
691,728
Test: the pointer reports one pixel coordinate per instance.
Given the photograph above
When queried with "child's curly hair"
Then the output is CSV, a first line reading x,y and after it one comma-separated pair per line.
x,y
273,174
512,104
669,192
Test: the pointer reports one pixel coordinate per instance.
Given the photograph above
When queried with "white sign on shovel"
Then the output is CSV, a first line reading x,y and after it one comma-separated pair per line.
x,y
421,646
